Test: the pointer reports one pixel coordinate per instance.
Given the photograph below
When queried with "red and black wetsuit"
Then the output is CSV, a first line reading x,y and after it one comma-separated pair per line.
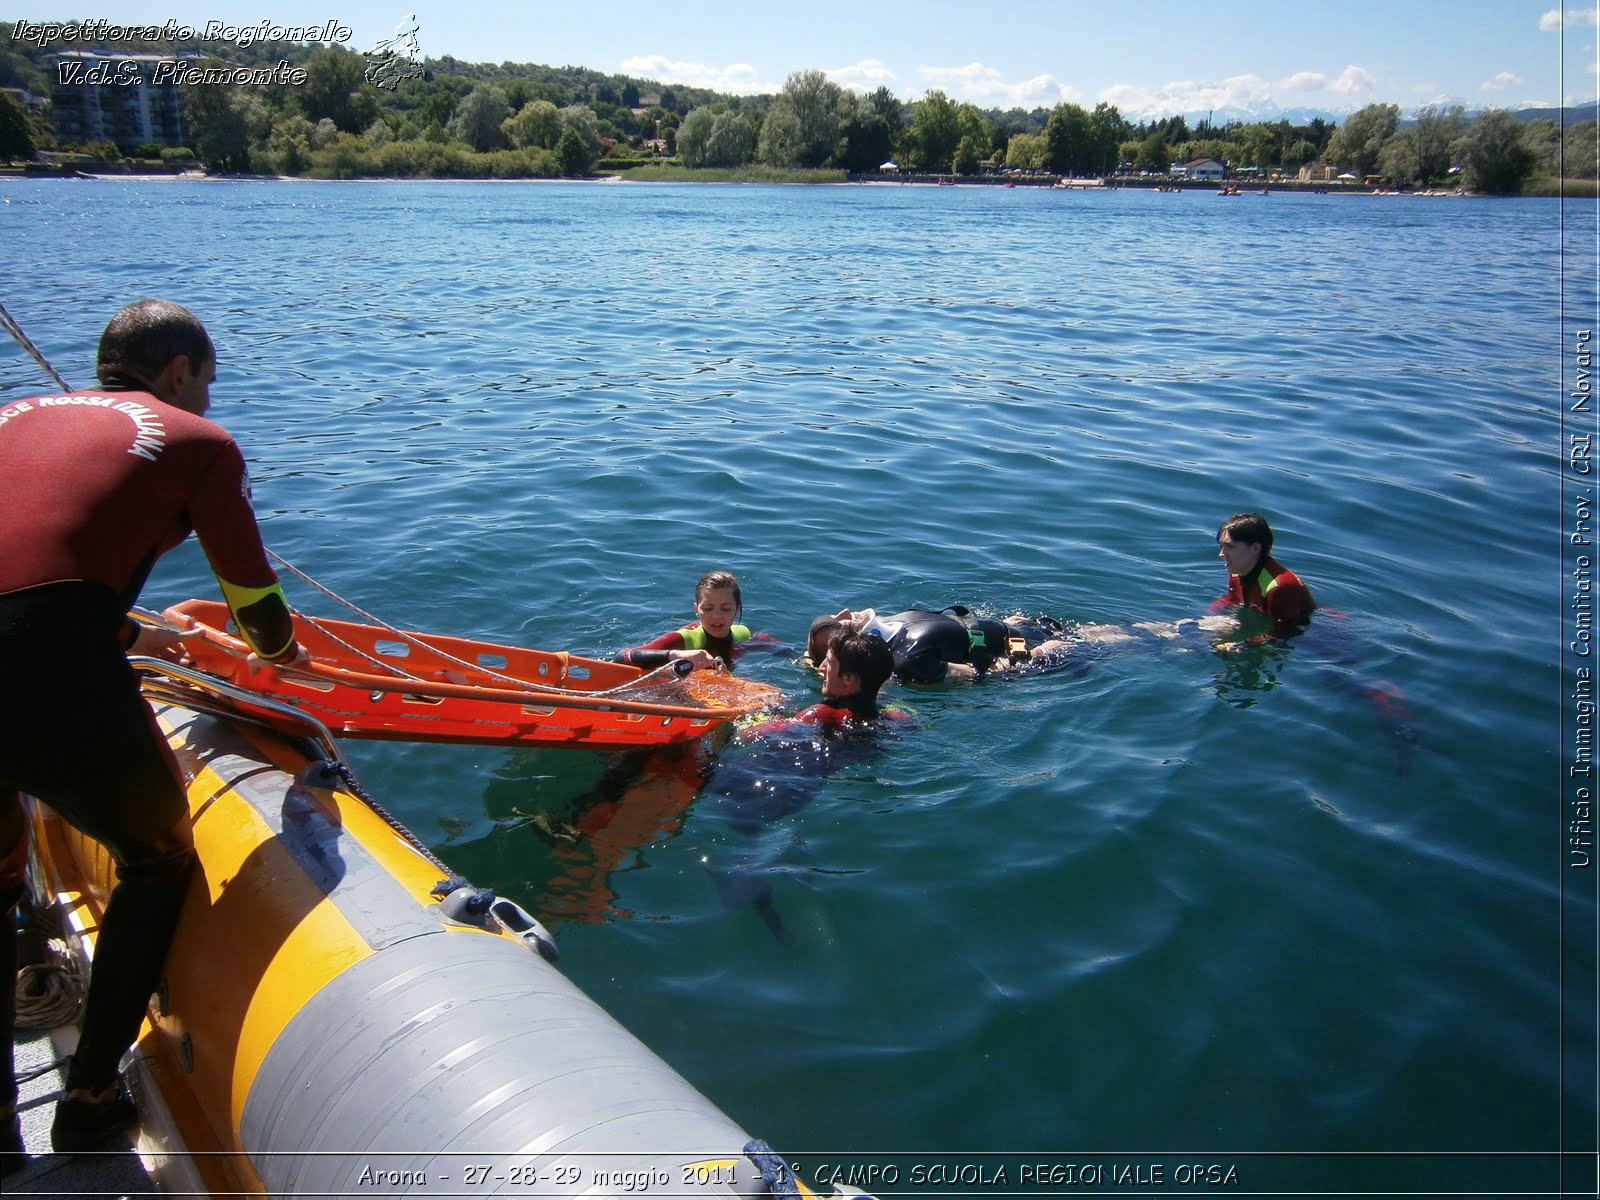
x,y
1274,592
98,485
832,714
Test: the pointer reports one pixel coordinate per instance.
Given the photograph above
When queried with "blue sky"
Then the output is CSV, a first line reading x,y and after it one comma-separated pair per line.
x,y
1149,57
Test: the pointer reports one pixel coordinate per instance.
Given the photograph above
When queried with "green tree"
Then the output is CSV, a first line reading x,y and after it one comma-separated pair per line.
x,y
969,155
1577,159
345,157
573,153
289,146
1106,131
1258,146
694,135
1434,136
1026,151
867,129
815,102
1357,143
224,121
536,123
478,119
935,131
1154,154
1493,155
16,137
780,143
732,141
1067,139
335,88
1298,153
1397,161
579,120
1543,140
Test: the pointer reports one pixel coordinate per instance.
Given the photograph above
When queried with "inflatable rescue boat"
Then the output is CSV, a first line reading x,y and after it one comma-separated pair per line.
x,y
340,1017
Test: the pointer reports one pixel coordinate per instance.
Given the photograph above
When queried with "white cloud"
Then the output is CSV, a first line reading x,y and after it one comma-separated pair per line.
x,y
1305,81
740,79
864,76
1556,19
1239,91
1247,93
1355,81
978,84
1501,82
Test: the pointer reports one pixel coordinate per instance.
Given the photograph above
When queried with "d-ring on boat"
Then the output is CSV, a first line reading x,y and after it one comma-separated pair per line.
x,y
338,1017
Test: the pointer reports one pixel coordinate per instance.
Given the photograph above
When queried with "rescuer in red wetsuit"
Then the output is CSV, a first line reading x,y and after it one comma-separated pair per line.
x,y
99,484
714,640
1258,582
854,670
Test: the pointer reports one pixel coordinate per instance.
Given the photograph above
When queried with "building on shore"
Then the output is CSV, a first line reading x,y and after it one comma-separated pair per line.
x,y
129,99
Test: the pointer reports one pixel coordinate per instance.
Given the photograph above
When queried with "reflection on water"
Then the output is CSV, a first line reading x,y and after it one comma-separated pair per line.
x,y
1177,900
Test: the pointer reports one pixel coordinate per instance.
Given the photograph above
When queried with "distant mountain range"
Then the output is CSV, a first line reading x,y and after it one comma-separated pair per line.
x,y
1337,116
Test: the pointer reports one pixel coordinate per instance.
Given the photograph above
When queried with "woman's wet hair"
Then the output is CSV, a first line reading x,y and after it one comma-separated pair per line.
x,y
713,580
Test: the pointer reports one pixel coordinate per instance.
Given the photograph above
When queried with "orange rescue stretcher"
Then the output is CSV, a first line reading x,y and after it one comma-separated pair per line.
x,y
373,682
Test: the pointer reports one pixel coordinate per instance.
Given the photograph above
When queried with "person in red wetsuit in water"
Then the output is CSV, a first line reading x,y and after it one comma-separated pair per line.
x,y
854,670
777,767
714,639
1264,587
1260,583
100,484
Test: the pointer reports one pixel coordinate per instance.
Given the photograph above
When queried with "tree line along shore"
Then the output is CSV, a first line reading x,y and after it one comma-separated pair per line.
x,y
445,119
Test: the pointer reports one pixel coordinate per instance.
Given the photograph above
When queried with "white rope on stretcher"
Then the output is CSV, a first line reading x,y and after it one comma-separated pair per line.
x,y
521,684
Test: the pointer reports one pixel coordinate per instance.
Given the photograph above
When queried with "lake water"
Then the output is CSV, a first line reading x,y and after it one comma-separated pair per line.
x,y
1183,908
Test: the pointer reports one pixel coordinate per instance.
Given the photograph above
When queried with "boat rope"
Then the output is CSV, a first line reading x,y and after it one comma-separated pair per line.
x,y
328,774
50,993
9,324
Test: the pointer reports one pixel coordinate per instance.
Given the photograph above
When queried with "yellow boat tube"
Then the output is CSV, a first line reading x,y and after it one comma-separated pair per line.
x,y
332,1021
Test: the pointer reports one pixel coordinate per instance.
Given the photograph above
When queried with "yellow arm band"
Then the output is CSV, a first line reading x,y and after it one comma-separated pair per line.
x,y
262,615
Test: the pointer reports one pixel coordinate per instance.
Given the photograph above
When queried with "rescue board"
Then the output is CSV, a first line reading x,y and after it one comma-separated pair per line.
x,y
372,682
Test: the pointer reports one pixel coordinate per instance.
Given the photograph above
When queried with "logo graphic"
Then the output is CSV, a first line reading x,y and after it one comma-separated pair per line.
x,y
396,58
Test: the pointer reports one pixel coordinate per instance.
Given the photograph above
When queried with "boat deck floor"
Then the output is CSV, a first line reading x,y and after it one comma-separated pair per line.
x,y
107,1173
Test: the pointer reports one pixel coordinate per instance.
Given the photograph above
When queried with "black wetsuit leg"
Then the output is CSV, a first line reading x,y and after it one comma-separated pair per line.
x,y
75,733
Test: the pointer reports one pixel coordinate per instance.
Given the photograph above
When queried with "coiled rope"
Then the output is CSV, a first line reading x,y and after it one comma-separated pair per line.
x,y
50,993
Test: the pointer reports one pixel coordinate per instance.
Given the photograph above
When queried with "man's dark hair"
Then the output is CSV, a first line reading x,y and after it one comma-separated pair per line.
x,y
866,657
1249,528
144,337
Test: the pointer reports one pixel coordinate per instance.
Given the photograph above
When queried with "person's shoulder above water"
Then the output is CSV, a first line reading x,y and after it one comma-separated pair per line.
x,y
1259,583
854,668
714,638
